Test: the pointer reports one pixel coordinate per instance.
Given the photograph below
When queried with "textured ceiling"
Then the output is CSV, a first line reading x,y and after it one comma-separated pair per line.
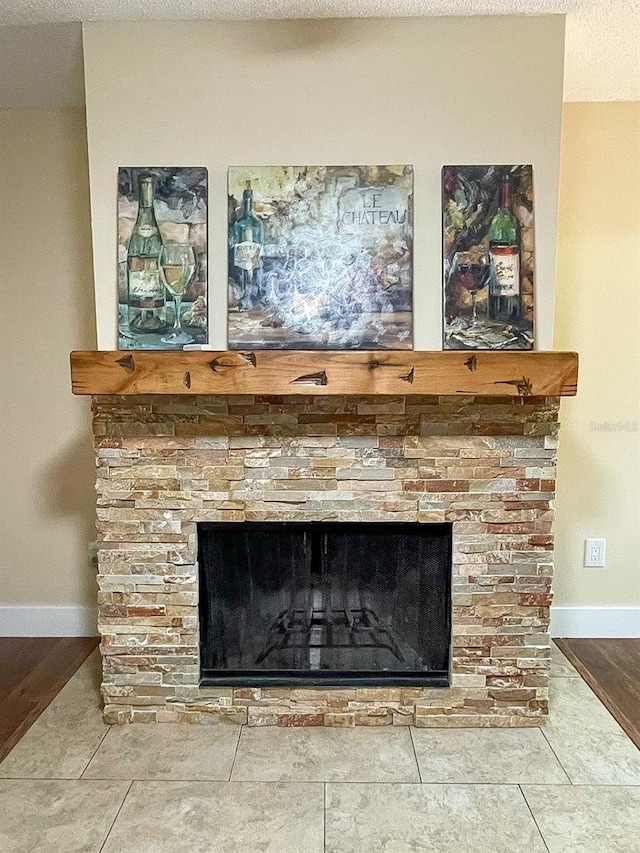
x,y
602,42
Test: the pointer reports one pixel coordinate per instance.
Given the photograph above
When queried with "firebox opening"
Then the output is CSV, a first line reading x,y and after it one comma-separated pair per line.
x,y
325,603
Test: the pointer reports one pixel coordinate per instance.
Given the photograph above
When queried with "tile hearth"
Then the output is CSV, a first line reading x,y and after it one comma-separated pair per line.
x,y
313,790
484,465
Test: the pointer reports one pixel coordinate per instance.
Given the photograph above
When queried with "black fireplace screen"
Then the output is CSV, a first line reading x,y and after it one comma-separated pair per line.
x,y
325,603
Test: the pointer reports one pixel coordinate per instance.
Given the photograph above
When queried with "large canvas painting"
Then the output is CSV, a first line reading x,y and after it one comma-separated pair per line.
x,y
488,257
162,257
320,257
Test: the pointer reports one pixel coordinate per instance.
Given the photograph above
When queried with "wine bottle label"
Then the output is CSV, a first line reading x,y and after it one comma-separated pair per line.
x,y
506,274
146,230
145,284
246,255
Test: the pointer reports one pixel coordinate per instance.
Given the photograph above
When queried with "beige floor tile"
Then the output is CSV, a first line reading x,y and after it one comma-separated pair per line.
x,y
165,751
587,819
57,816
588,742
60,743
207,817
492,756
325,755
560,666
433,818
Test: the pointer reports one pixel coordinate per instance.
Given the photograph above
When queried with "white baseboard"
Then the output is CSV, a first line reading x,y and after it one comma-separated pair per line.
x,y
48,621
595,622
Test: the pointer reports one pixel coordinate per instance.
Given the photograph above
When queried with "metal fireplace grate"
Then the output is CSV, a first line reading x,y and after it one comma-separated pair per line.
x,y
329,629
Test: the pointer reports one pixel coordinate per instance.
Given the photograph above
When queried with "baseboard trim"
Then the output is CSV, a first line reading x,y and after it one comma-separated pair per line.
x,y
595,622
48,621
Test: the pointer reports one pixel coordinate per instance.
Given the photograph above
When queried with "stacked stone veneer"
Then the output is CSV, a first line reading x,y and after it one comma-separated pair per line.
x,y
485,464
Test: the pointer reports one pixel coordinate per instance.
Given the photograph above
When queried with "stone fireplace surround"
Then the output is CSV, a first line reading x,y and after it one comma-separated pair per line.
x,y
486,464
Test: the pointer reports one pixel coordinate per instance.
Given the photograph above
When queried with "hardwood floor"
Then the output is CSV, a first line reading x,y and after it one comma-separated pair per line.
x,y
611,668
32,671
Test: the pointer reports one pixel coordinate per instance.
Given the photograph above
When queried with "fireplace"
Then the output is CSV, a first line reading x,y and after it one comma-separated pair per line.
x,y
313,603
187,484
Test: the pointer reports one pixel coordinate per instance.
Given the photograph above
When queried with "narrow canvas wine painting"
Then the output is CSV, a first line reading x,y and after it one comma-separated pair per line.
x,y
320,257
162,257
488,255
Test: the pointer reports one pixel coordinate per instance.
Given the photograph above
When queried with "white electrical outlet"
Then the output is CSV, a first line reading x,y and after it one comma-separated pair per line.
x,y
594,552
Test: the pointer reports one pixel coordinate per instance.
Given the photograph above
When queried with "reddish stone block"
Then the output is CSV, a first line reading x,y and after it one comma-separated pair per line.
x,y
150,610
512,527
524,505
300,720
541,539
541,599
247,693
445,485
528,484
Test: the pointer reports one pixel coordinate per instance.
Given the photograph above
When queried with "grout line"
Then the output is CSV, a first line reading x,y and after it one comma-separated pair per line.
x,y
54,779
235,753
106,838
145,780
415,754
533,817
153,780
462,783
93,754
324,817
564,770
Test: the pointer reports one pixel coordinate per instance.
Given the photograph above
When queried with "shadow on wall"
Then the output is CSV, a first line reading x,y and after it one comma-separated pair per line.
x,y
588,502
593,469
298,36
65,488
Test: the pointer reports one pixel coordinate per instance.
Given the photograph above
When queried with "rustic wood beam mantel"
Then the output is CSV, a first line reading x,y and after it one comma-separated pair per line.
x,y
285,372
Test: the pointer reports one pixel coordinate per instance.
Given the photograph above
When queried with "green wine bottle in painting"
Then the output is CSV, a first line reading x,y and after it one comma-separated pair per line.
x,y
246,241
504,250
145,289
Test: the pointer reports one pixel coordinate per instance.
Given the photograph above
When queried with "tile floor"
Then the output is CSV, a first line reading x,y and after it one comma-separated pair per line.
x,y
72,784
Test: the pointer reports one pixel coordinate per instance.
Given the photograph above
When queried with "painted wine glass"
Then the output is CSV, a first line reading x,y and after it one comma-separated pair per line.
x,y
178,264
471,271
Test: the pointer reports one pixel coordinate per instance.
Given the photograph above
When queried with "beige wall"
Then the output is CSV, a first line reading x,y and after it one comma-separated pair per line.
x,y
427,91
597,314
47,521
46,462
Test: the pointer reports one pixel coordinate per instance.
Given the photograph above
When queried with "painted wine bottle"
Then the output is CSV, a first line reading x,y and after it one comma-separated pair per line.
x,y
504,251
247,238
146,296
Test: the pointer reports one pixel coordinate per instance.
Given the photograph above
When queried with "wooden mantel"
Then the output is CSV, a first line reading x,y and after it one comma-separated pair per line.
x,y
284,372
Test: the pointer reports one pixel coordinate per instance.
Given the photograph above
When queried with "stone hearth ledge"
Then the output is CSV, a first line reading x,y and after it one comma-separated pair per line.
x,y
486,464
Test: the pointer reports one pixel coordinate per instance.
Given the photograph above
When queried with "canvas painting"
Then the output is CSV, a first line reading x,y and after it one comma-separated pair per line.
x,y
320,257
162,257
488,253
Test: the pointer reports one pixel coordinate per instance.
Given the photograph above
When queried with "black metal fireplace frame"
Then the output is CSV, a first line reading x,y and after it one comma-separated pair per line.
x,y
322,678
